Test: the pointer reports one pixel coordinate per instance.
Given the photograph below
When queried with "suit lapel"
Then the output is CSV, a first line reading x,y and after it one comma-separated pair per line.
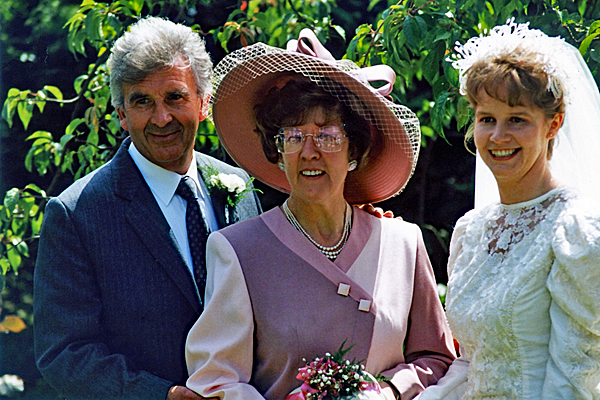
x,y
150,224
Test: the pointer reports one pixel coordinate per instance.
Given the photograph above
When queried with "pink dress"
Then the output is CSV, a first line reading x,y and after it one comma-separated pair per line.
x,y
272,300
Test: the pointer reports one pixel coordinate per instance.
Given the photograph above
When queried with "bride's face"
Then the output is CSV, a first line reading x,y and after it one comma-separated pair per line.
x,y
513,141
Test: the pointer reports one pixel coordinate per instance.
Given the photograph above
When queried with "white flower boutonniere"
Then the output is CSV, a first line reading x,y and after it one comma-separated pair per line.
x,y
230,186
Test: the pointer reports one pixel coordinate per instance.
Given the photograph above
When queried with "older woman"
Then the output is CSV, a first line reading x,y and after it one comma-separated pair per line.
x,y
304,278
524,272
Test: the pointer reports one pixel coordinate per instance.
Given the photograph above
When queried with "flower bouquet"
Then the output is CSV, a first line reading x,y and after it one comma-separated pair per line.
x,y
333,378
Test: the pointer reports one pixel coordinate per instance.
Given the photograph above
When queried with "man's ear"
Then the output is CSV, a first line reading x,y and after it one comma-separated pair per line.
x,y
204,107
122,118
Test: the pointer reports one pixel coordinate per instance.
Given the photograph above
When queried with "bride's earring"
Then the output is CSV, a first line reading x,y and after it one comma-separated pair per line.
x,y
352,165
281,166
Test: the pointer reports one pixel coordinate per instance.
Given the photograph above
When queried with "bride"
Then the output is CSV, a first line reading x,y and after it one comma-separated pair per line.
x,y
524,272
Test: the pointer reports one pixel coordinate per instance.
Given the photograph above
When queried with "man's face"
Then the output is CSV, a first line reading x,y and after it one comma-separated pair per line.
x,y
162,114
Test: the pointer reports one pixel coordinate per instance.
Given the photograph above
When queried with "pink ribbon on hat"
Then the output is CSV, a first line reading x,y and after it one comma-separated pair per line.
x,y
368,74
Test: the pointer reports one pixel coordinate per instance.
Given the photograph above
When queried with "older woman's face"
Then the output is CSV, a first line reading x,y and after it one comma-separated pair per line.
x,y
314,175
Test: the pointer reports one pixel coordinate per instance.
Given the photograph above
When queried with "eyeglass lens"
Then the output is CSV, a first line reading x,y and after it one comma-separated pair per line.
x,y
291,140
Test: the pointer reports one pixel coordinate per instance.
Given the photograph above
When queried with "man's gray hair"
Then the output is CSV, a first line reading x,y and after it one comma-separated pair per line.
x,y
153,44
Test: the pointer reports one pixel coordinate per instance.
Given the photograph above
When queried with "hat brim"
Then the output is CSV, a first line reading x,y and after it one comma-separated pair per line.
x,y
384,172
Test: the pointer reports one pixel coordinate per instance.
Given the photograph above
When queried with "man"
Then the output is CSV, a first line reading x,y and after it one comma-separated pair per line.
x,y
115,290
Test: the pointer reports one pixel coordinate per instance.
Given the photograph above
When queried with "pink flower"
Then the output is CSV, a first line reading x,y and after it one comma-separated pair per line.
x,y
306,389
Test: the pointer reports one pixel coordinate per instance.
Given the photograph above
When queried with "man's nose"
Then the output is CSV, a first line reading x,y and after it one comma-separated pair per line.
x,y
161,115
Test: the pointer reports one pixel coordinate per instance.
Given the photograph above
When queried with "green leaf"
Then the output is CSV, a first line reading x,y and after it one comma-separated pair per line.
x,y
35,188
14,258
430,66
431,63
23,248
92,121
4,265
8,110
67,163
64,139
136,6
594,26
93,27
451,74
340,31
92,137
11,199
89,152
80,172
77,84
18,225
411,32
583,48
36,223
438,113
78,40
40,135
42,102
73,125
75,19
427,131
54,91
25,111
29,160
442,35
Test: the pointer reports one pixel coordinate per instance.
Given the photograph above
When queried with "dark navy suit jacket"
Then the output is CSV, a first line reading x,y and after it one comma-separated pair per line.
x,y
113,296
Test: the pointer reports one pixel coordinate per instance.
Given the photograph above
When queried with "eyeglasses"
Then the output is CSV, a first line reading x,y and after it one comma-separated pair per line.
x,y
329,139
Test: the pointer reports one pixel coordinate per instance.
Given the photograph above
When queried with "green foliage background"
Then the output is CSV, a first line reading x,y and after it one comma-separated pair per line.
x,y
58,123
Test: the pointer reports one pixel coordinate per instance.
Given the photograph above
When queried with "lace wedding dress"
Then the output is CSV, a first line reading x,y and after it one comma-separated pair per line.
x,y
524,301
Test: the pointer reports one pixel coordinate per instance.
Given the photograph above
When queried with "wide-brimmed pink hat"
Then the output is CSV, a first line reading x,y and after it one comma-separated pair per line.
x,y
242,79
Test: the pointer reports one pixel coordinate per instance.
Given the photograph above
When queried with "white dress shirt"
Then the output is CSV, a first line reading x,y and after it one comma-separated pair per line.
x,y
163,184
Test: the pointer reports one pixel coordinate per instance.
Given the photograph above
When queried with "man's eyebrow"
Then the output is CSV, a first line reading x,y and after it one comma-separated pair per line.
x,y
179,91
136,96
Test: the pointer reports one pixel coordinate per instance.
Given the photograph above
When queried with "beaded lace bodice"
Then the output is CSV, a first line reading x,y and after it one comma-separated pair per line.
x,y
524,298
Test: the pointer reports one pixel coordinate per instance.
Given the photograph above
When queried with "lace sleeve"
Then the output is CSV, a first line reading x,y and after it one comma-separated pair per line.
x,y
573,370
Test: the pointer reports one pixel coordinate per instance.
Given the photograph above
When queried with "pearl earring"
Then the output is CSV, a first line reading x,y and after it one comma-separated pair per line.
x,y
281,166
352,165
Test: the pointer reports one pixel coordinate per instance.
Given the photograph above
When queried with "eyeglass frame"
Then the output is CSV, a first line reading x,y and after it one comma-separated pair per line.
x,y
281,136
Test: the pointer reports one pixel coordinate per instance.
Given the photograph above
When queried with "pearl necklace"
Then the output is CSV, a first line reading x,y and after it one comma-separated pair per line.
x,y
330,252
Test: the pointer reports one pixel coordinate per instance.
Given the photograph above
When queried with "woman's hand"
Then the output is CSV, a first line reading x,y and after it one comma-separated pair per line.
x,y
387,392
183,393
376,211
